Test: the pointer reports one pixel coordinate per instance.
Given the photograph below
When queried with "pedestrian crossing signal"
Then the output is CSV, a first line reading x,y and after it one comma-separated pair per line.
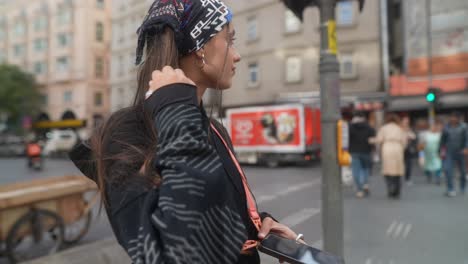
x,y
430,97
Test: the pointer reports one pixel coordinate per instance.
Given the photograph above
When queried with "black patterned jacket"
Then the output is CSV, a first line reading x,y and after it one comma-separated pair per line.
x,y
199,213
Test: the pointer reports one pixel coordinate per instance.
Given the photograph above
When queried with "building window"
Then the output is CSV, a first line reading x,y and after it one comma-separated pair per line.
x,y
253,74
252,31
2,56
40,23
99,68
20,29
40,67
63,39
40,44
62,64
131,61
97,120
121,65
345,13
67,96
64,16
2,34
44,99
292,24
19,50
293,69
121,34
98,99
99,32
348,67
100,4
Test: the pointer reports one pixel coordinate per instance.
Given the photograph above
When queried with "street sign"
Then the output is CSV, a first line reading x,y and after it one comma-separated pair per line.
x,y
332,46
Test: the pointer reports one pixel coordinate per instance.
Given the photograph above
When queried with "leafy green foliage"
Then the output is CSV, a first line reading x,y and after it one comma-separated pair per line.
x,y
19,94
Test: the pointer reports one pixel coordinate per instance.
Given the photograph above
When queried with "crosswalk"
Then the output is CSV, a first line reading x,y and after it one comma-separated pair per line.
x,y
399,230
378,261
264,196
396,230
299,217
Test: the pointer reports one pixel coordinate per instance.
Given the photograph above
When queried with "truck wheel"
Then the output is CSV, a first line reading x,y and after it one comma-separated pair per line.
x,y
272,163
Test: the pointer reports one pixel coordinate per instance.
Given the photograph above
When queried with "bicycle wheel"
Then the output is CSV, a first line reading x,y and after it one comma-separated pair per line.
x,y
75,231
35,234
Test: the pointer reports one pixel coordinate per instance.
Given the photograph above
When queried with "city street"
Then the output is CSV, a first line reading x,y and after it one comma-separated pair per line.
x,y
422,227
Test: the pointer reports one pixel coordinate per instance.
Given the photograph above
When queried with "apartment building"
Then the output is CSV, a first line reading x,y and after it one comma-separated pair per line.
x,y
65,44
127,16
433,53
280,55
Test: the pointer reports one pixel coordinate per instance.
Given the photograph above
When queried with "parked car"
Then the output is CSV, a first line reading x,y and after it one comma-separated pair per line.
x,y
11,146
60,142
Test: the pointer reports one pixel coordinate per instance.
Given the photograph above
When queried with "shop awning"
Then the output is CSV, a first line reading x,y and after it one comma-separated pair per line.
x,y
71,123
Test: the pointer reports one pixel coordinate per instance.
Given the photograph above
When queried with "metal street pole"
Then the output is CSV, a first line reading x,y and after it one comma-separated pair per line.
x,y
431,111
332,201
332,197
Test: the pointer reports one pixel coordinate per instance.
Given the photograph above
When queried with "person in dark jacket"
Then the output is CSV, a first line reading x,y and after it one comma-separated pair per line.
x,y
172,188
454,145
411,148
361,149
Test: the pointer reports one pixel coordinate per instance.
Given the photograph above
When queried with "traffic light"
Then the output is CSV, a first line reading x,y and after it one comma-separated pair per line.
x,y
430,97
298,6
433,95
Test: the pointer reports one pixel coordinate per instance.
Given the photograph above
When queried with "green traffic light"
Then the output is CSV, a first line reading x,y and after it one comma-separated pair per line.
x,y
430,97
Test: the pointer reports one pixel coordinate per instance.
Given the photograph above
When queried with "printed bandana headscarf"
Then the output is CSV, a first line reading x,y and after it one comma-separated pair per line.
x,y
194,22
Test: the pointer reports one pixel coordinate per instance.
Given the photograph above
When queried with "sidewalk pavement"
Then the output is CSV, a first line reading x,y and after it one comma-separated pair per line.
x,y
100,252
422,227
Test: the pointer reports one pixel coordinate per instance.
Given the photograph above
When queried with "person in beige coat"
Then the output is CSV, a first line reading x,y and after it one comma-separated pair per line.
x,y
392,140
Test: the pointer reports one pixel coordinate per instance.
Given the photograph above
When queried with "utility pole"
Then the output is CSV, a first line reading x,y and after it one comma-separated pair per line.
x,y
431,110
332,197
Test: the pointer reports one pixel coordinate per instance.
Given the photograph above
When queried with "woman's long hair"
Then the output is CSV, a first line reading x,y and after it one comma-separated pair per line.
x,y
124,146
392,118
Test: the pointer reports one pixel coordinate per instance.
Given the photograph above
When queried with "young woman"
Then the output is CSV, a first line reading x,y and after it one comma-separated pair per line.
x,y
392,140
172,187
430,143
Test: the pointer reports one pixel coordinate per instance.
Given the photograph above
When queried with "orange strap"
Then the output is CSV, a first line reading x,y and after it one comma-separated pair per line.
x,y
251,204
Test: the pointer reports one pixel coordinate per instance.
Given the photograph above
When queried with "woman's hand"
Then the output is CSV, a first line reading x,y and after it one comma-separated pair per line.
x,y
167,76
270,226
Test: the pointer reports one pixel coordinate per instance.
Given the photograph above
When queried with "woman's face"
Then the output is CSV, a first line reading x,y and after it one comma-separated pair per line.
x,y
220,59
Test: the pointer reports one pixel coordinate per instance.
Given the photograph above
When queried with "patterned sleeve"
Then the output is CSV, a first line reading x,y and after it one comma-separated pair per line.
x,y
191,217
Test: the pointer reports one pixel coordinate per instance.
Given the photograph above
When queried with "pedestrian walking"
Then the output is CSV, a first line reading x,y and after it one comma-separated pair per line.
x,y
172,187
454,147
392,140
360,148
410,150
429,143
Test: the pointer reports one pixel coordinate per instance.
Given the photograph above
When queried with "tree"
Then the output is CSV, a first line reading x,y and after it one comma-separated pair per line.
x,y
19,94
